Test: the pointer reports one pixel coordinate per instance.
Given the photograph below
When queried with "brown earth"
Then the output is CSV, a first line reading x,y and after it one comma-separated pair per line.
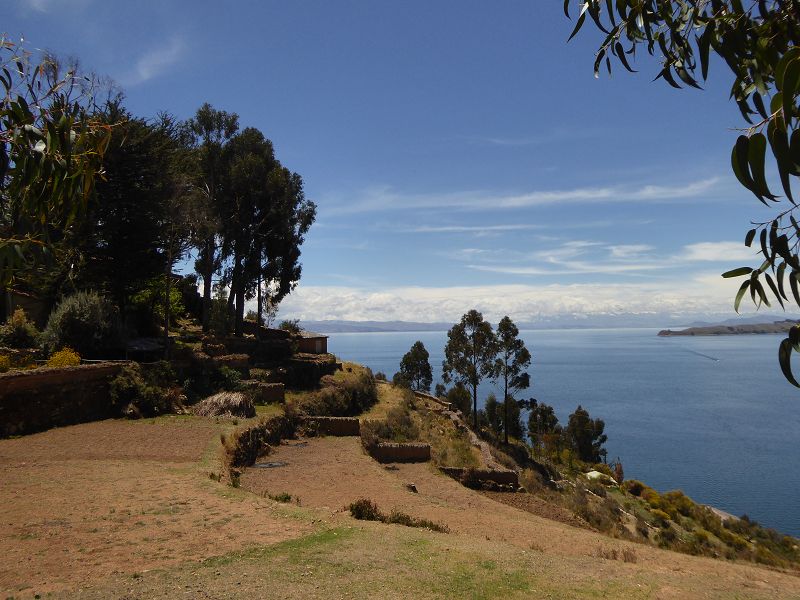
x,y
330,473
83,502
121,509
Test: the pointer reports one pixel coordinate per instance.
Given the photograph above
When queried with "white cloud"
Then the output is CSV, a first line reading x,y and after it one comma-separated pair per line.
x,y
470,228
718,251
703,294
384,198
46,6
625,251
156,61
581,257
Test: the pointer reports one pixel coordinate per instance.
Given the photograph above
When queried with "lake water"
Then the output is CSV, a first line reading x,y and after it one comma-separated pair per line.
x,y
712,416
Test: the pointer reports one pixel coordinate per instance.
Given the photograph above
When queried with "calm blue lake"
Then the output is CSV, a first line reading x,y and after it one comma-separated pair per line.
x,y
712,416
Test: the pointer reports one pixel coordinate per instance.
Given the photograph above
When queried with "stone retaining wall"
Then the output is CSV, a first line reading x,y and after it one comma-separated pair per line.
x,y
265,393
412,452
501,477
336,426
39,399
305,370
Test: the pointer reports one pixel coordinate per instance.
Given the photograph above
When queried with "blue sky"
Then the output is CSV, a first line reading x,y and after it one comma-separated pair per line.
x,y
461,153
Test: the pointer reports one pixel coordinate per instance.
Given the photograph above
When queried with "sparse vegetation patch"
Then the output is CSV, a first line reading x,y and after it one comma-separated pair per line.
x,y
366,510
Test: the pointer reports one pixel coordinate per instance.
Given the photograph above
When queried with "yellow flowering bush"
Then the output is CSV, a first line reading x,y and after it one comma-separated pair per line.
x,y
66,357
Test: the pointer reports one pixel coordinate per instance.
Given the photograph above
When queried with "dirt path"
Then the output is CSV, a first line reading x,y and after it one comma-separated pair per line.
x,y
329,473
83,502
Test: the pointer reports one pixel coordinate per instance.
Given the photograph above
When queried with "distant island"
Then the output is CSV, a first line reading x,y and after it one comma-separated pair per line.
x,y
743,329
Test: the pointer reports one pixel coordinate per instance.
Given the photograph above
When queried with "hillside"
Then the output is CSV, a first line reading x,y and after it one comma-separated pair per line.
x,y
744,329
137,510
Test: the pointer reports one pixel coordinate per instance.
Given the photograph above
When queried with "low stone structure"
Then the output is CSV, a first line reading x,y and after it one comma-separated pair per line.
x,y
264,393
385,452
335,426
39,399
498,476
305,370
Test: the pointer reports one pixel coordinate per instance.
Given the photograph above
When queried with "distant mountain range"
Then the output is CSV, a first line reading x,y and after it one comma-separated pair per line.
x,y
559,322
371,326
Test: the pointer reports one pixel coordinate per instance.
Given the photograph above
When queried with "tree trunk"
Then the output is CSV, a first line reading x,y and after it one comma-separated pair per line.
x,y
260,303
505,403
207,274
237,290
167,282
475,407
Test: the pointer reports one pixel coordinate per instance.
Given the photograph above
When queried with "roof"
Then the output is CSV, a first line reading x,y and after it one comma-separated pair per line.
x,y
310,335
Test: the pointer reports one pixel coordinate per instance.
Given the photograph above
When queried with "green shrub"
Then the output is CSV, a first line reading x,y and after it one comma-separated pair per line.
x,y
18,332
682,503
221,320
282,497
662,517
148,305
399,380
344,395
228,379
702,537
86,322
135,395
364,509
400,518
292,326
204,382
399,427
602,514
66,357
634,487
5,363
667,537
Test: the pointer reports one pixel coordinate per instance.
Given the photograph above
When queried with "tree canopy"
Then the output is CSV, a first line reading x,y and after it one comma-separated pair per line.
x,y
113,201
416,368
470,355
586,435
758,41
51,151
512,363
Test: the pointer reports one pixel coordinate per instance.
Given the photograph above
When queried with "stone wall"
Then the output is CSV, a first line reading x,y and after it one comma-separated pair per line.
x,y
498,476
336,426
38,399
265,393
412,452
305,370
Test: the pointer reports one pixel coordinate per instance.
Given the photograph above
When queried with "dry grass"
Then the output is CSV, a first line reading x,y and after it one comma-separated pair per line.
x,y
225,404
389,397
449,447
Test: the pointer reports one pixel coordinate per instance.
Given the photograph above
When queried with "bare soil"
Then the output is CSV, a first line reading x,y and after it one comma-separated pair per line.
x,y
80,503
330,473
122,509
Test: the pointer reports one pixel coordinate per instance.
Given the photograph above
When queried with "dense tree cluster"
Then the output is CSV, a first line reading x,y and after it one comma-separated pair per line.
x,y
95,198
474,352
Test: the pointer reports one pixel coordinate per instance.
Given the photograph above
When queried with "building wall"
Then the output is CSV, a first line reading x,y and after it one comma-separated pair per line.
x,y
313,345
